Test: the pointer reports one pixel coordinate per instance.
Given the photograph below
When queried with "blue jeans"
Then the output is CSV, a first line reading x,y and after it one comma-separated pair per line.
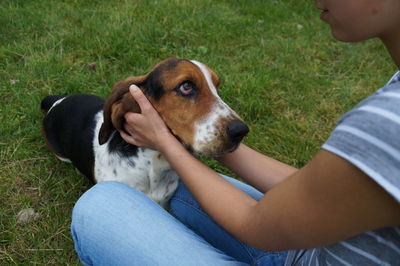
x,y
114,224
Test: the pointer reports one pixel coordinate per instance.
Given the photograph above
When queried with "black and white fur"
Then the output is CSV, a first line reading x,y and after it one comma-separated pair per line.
x,y
75,123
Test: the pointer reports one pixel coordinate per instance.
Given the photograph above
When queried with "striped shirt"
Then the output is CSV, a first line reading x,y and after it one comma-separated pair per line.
x,y
368,137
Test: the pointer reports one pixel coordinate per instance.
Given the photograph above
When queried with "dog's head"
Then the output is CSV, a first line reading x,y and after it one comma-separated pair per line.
x,y
184,94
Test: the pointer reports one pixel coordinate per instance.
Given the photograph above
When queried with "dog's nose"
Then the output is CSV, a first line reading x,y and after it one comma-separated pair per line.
x,y
236,130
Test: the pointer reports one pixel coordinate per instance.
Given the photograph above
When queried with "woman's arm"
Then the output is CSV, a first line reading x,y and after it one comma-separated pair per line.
x,y
260,171
324,202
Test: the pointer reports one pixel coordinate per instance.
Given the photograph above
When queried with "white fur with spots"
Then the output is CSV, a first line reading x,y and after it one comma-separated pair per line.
x,y
148,171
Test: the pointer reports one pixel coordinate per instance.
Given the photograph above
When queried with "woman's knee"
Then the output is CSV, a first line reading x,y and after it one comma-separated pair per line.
x,y
102,217
93,199
108,198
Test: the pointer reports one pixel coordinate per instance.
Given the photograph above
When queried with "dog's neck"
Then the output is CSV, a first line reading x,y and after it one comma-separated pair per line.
x,y
119,145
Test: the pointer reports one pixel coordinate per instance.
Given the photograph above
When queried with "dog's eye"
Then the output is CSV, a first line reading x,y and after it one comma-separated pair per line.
x,y
187,88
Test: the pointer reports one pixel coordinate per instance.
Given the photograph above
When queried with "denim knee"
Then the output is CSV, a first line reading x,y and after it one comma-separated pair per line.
x,y
86,204
99,218
86,212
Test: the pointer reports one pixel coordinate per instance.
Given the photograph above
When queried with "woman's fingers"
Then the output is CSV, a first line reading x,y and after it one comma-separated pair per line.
x,y
146,129
127,138
132,118
130,139
140,98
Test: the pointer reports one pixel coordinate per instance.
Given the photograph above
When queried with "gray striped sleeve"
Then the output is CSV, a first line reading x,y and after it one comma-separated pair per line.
x,y
369,137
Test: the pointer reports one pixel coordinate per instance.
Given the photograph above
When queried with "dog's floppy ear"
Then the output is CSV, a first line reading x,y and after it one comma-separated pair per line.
x,y
117,104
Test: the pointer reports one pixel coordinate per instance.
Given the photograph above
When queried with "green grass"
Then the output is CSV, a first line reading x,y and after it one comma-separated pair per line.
x,y
280,69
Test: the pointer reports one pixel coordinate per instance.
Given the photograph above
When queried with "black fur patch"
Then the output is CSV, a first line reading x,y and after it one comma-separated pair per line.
x,y
152,85
117,144
69,129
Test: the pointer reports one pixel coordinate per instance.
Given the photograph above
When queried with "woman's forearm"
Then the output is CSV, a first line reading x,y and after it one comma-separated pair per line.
x,y
227,205
258,170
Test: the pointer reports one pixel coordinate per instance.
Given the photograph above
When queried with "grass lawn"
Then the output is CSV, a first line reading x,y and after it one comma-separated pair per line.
x,y
280,68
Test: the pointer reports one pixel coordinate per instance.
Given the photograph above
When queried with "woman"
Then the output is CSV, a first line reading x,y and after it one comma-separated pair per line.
x,y
341,208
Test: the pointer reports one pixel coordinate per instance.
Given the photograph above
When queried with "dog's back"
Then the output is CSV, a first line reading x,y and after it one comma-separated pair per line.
x,y
68,128
49,101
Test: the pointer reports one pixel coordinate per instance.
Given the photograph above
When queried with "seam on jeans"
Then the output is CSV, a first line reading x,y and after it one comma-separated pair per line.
x,y
202,212
267,254
78,249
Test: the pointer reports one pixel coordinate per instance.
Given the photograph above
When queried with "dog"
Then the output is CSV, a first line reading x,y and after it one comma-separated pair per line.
x,y
83,129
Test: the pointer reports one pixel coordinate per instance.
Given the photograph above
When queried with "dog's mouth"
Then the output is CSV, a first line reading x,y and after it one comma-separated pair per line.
x,y
232,148
213,151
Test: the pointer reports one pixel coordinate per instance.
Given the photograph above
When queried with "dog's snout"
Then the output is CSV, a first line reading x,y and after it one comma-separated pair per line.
x,y
236,130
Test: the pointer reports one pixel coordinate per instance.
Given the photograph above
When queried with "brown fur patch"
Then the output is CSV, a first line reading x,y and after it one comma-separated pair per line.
x,y
117,104
181,113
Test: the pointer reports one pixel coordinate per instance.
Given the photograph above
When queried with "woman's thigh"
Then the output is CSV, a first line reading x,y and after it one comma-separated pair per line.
x,y
114,224
187,210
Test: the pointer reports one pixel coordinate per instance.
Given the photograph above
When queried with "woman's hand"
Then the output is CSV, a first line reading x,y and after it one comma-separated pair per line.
x,y
146,129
